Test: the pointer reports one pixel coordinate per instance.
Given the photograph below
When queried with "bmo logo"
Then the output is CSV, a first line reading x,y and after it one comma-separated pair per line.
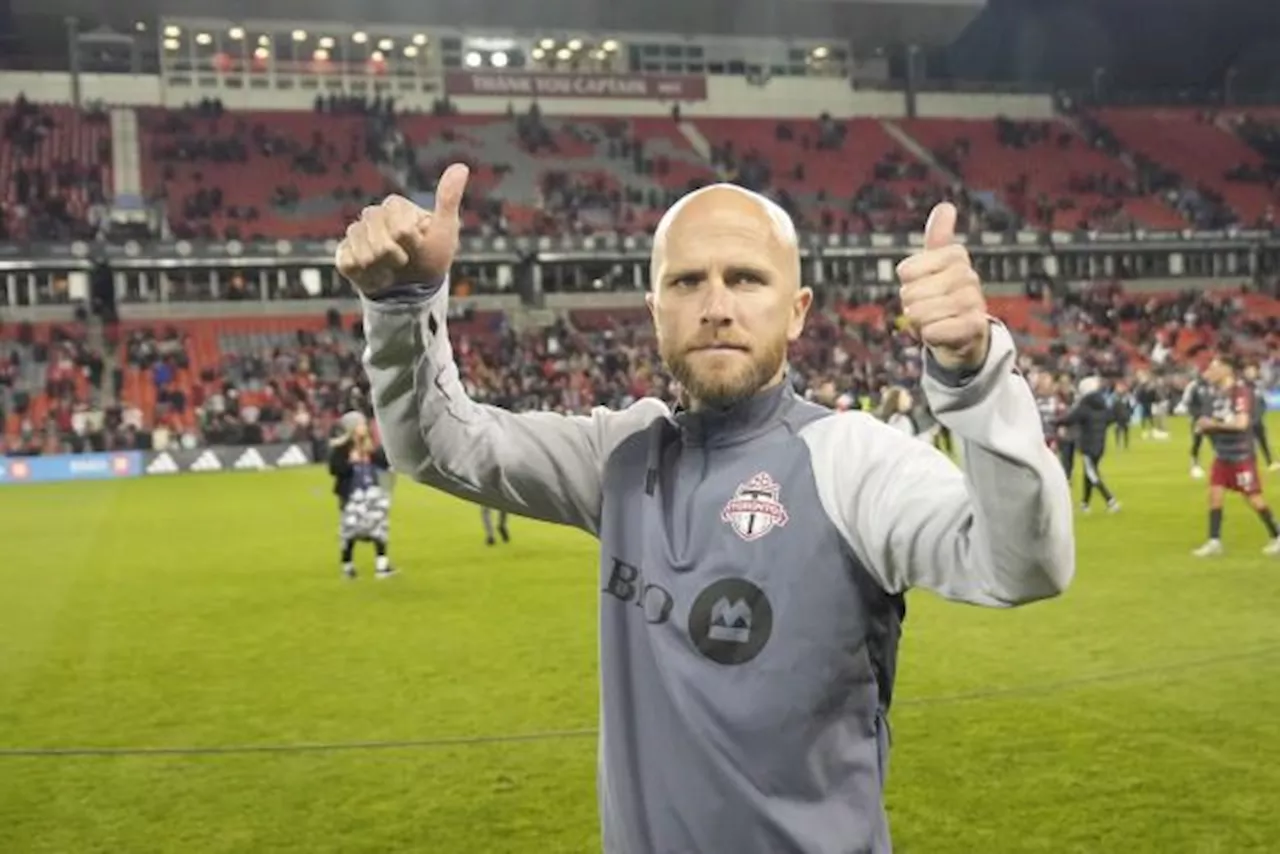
x,y
88,466
19,469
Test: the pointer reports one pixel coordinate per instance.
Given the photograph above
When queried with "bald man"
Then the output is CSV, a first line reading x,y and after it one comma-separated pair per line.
x,y
755,549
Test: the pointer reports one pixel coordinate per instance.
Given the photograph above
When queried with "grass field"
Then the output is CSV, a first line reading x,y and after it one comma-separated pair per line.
x,y
1139,713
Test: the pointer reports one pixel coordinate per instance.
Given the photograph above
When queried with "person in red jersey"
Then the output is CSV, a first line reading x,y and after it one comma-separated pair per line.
x,y
1235,465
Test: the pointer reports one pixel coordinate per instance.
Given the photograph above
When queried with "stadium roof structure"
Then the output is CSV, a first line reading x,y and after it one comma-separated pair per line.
x,y
863,24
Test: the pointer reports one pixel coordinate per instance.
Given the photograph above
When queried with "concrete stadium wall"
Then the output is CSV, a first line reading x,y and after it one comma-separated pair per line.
x,y
135,90
782,97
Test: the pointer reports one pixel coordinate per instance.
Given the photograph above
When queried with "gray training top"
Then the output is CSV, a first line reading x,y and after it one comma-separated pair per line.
x,y
752,571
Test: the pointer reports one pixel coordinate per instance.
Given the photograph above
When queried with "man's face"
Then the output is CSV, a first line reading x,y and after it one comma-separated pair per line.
x,y
1044,385
1251,373
726,298
1217,372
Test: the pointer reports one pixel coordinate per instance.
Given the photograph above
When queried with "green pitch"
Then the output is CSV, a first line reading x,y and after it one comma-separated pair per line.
x,y
1140,713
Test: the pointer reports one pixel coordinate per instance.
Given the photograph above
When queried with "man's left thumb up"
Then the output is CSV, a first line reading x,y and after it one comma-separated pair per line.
x,y
940,230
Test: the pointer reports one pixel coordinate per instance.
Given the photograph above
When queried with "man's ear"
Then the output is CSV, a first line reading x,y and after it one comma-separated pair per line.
x,y
799,311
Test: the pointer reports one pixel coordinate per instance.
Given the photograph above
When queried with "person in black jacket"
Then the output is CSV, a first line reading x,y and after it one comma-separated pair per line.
x,y
1092,418
358,468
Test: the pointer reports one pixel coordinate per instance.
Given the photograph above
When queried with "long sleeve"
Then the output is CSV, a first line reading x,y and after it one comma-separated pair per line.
x,y
340,461
538,464
999,533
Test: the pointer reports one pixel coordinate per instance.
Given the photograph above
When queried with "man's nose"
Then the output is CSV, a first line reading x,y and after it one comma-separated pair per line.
x,y
716,301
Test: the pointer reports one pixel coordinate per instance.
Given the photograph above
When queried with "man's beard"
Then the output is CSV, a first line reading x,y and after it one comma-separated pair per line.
x,y
724,389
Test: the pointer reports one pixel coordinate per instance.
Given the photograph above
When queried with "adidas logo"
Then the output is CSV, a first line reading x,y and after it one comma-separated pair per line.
x,y
163,464
251,459
208,461
292,457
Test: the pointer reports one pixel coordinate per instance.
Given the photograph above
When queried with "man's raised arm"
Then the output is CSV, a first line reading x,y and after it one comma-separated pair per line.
x,y
999,533
542,465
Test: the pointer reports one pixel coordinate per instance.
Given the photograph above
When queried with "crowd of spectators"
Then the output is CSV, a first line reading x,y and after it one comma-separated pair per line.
x,y
1202,206
1264,138
68,374
589,200
204,134
579,202
50,198
294,391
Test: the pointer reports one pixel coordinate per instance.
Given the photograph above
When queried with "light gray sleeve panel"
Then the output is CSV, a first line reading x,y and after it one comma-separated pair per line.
x,y
537,464
998,534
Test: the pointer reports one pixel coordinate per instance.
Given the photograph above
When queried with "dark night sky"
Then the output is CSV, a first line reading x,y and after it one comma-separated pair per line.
x,y
1142,43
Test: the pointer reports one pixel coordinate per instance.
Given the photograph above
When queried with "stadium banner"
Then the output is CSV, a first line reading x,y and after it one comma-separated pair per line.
x,y
1273,400
645,87
227,458
60,467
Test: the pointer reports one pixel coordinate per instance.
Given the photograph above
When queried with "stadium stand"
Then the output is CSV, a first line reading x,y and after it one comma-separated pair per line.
x,y
55,170
845,176
1193,145
247,380
273,174
303,174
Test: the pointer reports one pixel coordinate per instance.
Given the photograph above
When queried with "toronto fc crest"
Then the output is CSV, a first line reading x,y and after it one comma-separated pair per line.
x,y
755,509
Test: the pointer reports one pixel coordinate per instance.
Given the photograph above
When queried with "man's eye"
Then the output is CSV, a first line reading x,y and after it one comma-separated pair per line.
x,y
686,281
745,277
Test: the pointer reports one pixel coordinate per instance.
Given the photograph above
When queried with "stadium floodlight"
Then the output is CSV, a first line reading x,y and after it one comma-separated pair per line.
x,y
473,60
265,41
420,39
320,55
598,55
140,26
547,44
262,53
299,35
377,56
172,32
359,38
171,44
564,53
327,42
386,44
610,45
575,44
236,33
204,38
499,59
820,53
410,51
538,53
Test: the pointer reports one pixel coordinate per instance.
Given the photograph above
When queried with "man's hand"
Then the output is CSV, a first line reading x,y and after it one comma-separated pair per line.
x,y
1204,425
398,243
942,296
